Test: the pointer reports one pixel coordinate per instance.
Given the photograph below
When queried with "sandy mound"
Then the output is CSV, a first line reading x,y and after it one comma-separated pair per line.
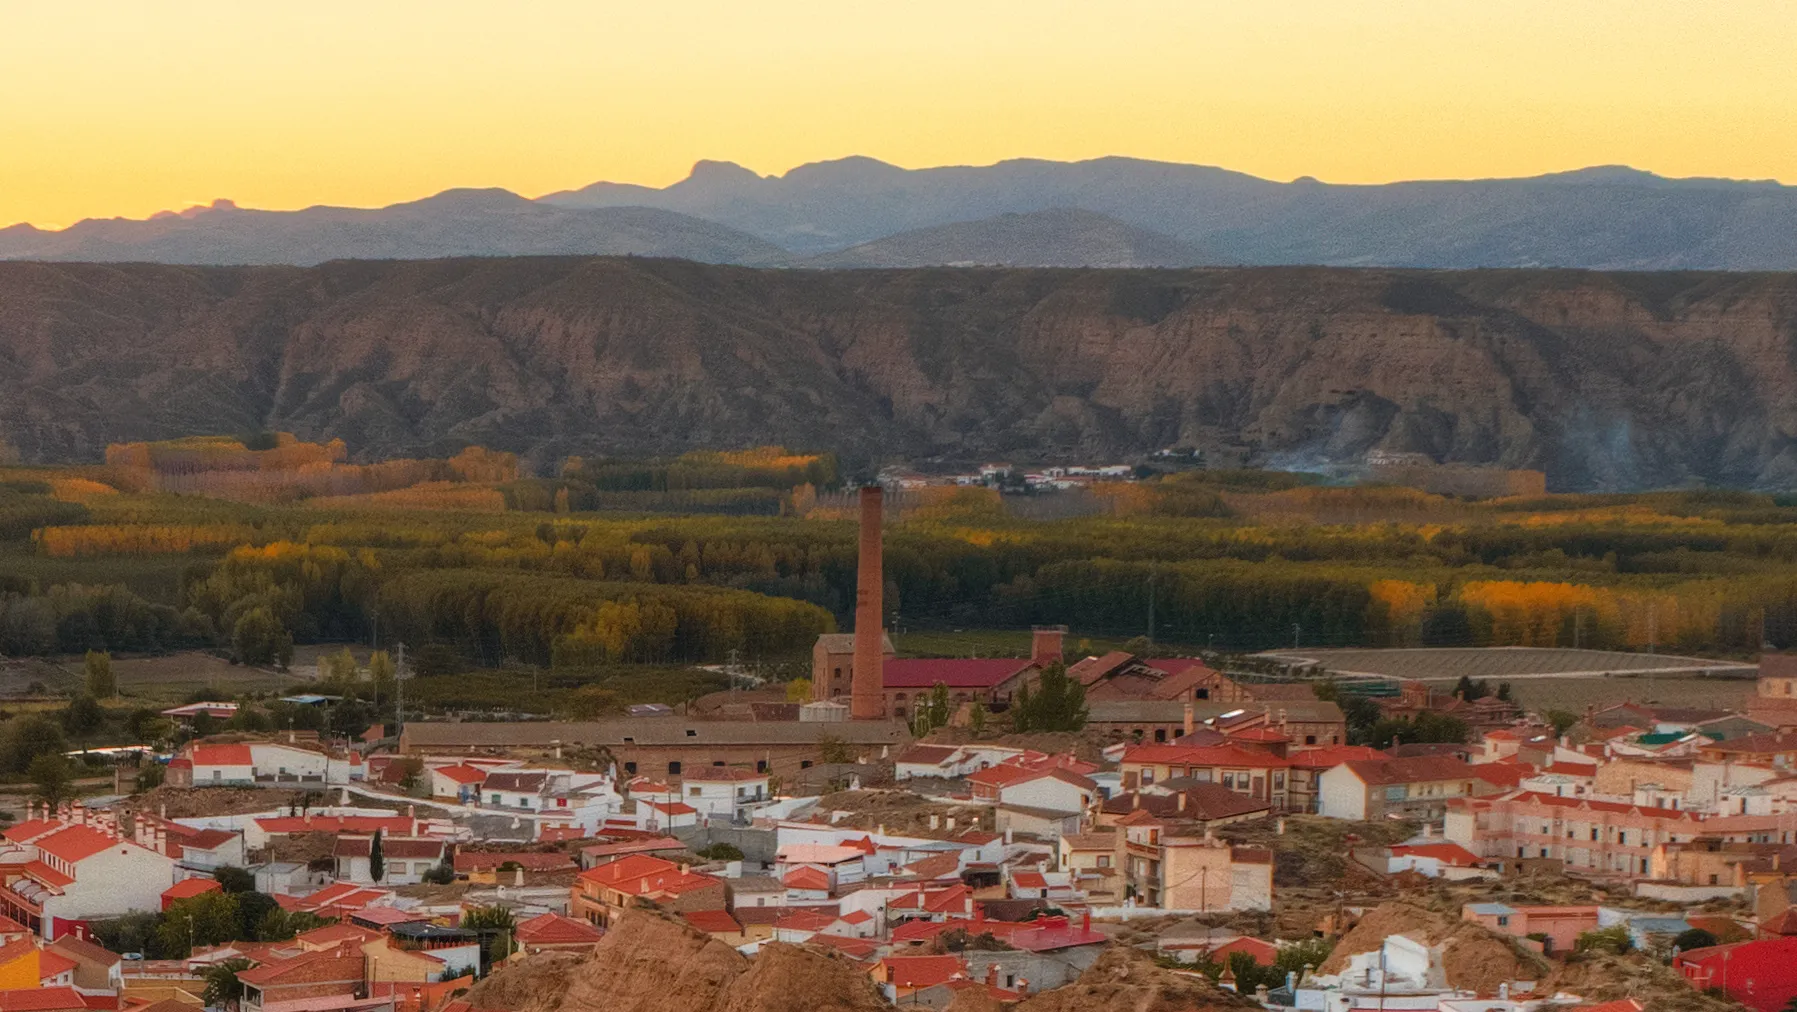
x,y
1472,957
1124,980
651,962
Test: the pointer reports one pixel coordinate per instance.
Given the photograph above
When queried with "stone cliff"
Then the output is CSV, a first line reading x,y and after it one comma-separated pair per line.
x,y
1603,381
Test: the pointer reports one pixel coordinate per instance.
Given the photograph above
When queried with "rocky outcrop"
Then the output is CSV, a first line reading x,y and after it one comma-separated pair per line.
x,y
1471,956
650,962
1603,381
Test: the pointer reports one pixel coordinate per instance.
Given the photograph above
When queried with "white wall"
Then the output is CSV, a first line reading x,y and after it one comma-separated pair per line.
x,y
118,880
1049,793
1341,794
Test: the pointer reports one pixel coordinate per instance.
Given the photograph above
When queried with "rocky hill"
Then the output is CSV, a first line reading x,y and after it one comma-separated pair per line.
x,y
1058,237
1605,381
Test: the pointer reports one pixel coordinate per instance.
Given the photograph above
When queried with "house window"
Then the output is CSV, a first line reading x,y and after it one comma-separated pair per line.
x,y
1104,860
1203,693
1310,739
674,768
761,765
1160,734
1503,921
493,799
804,764
692,792
630,767
690,733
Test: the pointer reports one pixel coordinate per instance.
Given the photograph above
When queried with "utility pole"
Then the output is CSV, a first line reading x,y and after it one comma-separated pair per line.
x,y
732,670
1578,625
1653,627
1296,633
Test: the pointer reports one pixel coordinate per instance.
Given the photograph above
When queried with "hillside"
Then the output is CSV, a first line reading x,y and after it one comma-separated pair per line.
x,y
1059,237
1603,381
453,223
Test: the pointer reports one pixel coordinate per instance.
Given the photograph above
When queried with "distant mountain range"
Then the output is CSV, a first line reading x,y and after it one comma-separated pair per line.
x,y
1108,212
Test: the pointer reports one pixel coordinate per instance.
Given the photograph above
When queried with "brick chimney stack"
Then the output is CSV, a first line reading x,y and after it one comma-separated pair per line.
x,y
867,696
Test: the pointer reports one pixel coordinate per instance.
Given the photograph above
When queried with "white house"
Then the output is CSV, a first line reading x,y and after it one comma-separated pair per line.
x,y
949,761
77,873
1047,790
210,765
724,792
459,782
405,860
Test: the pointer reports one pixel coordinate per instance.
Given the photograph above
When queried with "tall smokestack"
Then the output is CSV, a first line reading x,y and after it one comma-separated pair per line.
x,y
867,697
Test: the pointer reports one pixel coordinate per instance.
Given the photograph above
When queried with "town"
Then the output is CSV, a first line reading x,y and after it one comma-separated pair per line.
x,y
1134,814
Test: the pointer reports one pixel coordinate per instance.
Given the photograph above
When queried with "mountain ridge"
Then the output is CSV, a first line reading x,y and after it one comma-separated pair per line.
x,y
1605,217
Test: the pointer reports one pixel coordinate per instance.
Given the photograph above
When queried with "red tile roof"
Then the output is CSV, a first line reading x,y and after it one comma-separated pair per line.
x,y
220,755
41,999
713,922
1415,769
31,829
804,920
1447,853
77,843
1029,880
918,972
286,824
927,755
554,929
190,887
462,773
806,878
50,963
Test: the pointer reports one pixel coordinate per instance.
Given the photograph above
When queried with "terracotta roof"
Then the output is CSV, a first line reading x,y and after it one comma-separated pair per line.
x,y
1501,774
41,999
1029,880
332,934
954,672
220,755
16,949
286,824
462,773
1202,802
50,963
807,878
632,847
818,853
804,920
77,843
854,948
1417,769
917,972
31,829
1447,853
1050,933
81,949
1329,756
713,922
554,929
190,887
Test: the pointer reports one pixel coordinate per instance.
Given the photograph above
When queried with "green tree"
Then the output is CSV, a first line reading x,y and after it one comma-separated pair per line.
x,y
341,668
223,989
29,737
235,880
932,712
101,684
1057,704
381,675
377,863
494,926
83,716
978,716
798,690
1694,938
51,776
260,638
150,775
1562,720
206,919
1614,939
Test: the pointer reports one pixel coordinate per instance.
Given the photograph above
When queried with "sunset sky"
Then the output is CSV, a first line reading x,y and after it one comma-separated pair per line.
x,y
126,108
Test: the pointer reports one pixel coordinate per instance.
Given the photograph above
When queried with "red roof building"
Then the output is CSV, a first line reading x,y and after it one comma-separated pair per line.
x,y
1761,975
188,888
555,933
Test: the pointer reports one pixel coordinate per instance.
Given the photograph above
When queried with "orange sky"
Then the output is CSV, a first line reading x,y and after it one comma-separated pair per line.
x,y
126,108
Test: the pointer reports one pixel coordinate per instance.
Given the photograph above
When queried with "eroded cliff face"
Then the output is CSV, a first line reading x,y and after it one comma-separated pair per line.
x,y
651,962
1605,381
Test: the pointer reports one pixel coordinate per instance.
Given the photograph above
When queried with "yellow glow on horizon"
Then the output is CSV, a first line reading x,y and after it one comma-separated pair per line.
x,y
123,108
